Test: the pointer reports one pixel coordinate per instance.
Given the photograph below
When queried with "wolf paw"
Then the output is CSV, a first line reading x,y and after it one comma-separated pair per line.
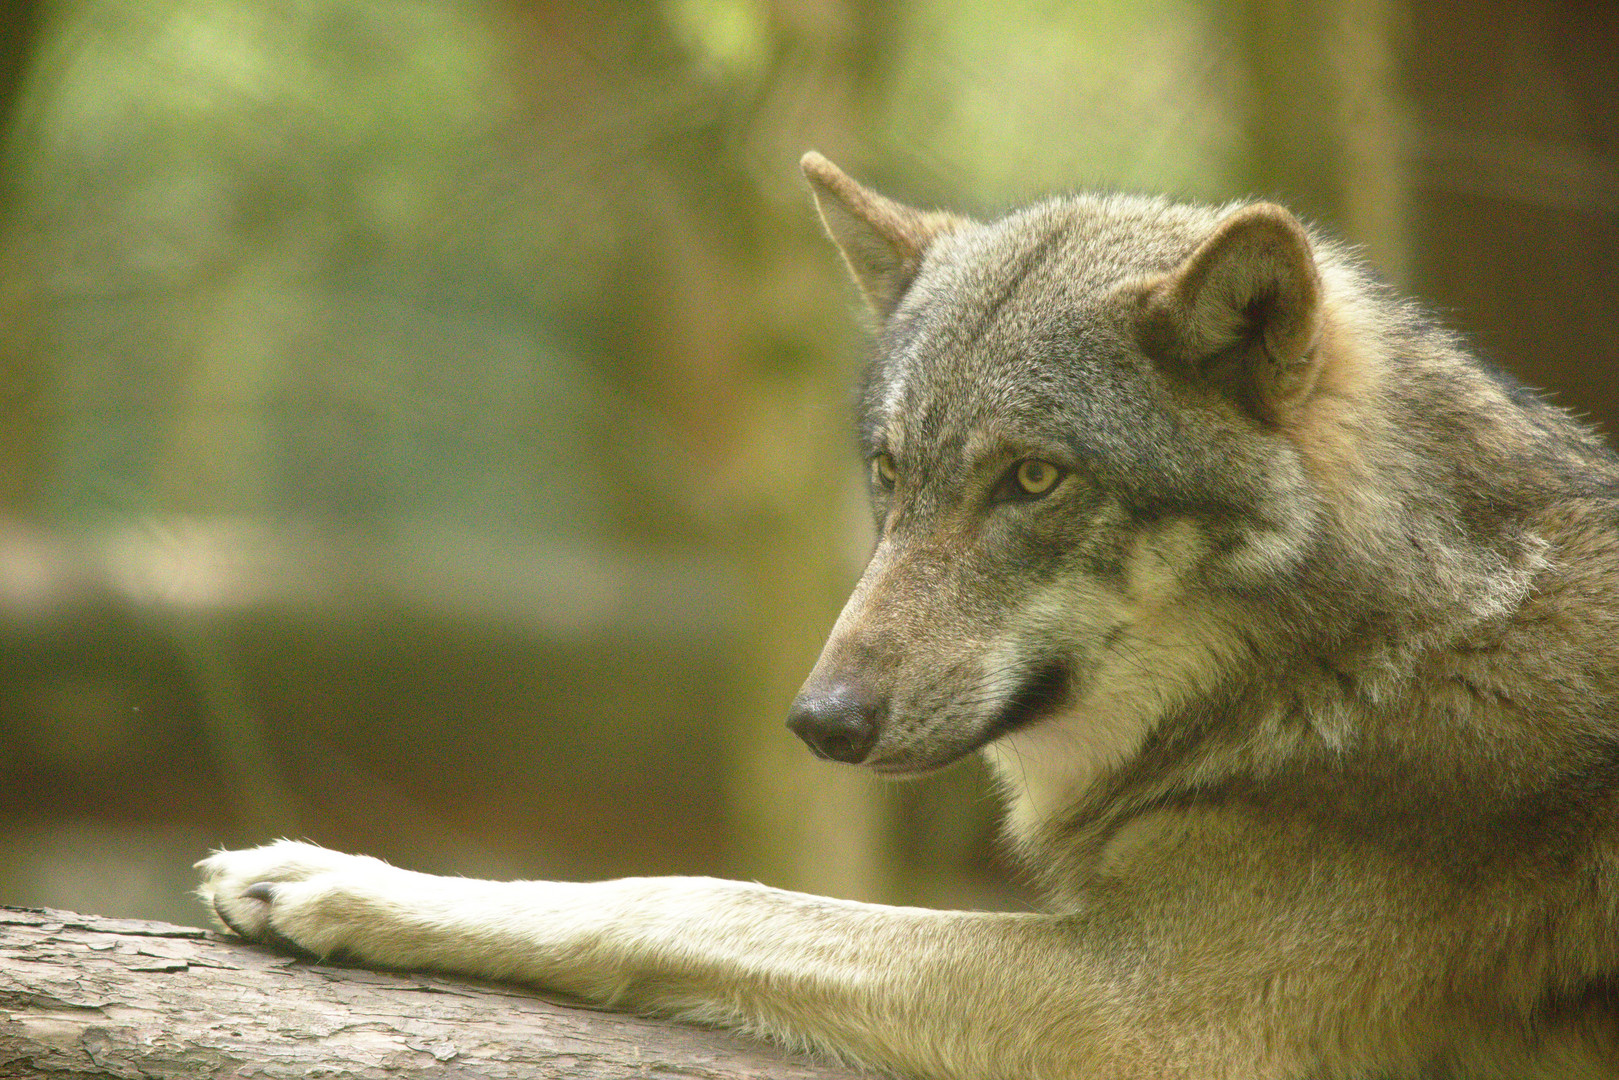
x,y
293,895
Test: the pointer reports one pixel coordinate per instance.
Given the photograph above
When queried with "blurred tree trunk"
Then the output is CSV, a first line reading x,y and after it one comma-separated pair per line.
x,y
20,24
1516,186
738,358
799,822
22,379
1326,123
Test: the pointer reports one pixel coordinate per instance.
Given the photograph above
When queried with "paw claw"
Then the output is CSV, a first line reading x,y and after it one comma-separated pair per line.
x,y
293,896
226,921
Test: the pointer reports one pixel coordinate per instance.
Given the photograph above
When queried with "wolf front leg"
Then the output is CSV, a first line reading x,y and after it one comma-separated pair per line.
x,y
927,993
1097,992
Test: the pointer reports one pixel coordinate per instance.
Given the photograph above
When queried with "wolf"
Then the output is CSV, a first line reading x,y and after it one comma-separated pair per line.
x,y
1290,631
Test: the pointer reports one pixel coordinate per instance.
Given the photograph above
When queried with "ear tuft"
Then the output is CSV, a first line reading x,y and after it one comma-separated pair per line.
x,y
1244,308
882,241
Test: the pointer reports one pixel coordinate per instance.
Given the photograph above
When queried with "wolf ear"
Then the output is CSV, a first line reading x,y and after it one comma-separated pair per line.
x,y
1244,310
882,241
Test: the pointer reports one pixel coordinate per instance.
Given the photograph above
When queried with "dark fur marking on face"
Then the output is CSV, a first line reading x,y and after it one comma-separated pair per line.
x,y
1045,691
1026,264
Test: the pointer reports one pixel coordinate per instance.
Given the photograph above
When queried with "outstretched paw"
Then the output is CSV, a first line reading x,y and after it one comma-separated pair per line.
x,y
288,894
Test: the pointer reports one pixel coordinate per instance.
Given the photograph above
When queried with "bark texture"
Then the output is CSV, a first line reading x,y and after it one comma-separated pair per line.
x,y
84,995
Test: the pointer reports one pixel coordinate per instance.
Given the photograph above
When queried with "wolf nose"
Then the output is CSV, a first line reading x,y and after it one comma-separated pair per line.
x,y
840,724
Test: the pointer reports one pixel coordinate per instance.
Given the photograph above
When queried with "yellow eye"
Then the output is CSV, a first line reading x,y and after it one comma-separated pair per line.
x,y
1035,477
884,472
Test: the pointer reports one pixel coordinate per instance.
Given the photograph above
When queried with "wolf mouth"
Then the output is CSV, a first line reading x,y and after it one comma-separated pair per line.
x,y
1043,694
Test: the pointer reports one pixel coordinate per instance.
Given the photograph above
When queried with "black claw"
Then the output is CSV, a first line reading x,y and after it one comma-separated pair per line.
x,y
226,919
264,890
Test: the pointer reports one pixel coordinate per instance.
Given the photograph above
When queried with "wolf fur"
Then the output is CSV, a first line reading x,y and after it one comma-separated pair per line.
x,y
1288,626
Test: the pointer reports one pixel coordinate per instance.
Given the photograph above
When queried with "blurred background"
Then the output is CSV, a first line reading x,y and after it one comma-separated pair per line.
x,y
423,423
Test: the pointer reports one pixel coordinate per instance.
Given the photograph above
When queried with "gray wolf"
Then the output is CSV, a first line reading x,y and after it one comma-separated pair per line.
x,y
1289,627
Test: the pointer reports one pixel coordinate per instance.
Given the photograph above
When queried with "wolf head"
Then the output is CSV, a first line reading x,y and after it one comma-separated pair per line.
x,y
1129,460
1125,456
1076,429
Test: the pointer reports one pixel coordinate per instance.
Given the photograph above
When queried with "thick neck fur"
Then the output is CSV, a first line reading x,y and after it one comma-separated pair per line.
x,y
1425,614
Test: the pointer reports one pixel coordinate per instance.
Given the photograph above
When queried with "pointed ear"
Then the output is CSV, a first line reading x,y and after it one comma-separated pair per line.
x,y
1244,310
882,241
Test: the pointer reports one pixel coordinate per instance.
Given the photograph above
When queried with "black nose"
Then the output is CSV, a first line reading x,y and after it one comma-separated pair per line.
x,y
840,724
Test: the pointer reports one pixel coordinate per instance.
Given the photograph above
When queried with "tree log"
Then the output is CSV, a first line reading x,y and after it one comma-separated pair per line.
x,y
84,995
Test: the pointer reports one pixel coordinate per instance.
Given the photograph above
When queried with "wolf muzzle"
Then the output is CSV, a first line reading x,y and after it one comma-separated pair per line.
x,y
839,723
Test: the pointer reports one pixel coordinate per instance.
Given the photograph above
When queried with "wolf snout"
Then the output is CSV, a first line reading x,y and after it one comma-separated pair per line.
x,y
840,723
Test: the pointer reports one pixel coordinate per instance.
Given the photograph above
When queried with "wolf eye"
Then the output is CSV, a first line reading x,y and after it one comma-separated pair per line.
x,y
884,472
1034,478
